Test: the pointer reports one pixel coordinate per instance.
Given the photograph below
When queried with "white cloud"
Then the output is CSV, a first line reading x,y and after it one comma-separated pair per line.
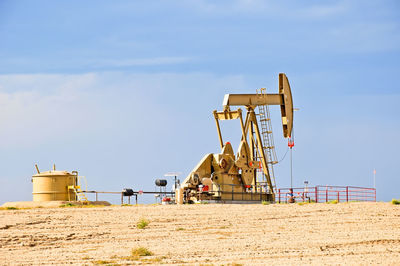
x,y
107,124
366,37
39,108
321,11
98,62
140,61
288,10
36,109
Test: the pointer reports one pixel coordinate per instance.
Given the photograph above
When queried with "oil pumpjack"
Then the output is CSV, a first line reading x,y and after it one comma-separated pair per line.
x,y
226,177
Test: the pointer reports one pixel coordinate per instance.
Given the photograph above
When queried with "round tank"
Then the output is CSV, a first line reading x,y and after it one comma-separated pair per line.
x,y
161,182
53,186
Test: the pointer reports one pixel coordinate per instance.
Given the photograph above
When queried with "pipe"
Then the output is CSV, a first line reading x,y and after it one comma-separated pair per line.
x,y
76,181
37,168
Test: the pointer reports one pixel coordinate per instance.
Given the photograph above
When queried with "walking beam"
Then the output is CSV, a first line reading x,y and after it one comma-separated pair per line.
x,y
283,98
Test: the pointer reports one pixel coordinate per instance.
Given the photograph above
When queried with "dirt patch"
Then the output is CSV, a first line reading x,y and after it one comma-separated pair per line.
x,y
344,233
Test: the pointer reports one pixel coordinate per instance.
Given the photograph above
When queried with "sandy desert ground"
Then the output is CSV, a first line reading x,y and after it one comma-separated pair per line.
x,y
206,234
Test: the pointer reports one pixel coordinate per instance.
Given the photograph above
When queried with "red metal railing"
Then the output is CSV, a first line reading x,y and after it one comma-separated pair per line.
x,y
326,194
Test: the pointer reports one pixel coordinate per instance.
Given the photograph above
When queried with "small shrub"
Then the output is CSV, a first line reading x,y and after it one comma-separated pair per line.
x,y
136,253
108,262
396,201
11,208
332,202
90,206
142,223
67,205
180,229
83,205
265,202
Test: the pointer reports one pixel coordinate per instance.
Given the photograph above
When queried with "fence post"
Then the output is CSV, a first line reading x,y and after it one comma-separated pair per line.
x,y
279,193
338,199
316,194
326,194
347,194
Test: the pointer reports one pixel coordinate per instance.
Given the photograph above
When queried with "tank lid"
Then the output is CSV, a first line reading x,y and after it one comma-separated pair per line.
x,y
53,172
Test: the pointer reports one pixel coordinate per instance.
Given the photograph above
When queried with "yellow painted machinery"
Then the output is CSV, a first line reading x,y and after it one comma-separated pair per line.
x,y
226,177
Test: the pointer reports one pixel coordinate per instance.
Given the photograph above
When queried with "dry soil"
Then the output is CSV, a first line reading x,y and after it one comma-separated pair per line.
x,y
208,234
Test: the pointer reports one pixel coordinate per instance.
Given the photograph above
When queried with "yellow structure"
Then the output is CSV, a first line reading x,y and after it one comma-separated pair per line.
x,y
54,185
227,177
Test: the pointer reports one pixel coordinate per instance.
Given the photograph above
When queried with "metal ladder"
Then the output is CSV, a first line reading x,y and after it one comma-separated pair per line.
x,y
267,137
77,190
81,196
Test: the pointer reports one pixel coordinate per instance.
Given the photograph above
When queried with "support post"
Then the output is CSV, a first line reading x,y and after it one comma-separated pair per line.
x,y
316,194
252,143
244,136
218,129
347,194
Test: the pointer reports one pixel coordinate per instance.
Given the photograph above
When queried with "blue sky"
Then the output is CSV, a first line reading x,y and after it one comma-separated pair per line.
x,y
123,91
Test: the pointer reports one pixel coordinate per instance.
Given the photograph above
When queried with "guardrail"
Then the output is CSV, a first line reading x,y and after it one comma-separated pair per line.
x,y
326,194
283,195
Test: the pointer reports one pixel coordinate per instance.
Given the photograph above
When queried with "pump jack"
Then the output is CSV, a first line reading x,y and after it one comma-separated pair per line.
x,y
225,177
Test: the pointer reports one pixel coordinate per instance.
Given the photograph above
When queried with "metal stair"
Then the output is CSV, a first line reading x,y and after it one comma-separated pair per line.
x,y
80,195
